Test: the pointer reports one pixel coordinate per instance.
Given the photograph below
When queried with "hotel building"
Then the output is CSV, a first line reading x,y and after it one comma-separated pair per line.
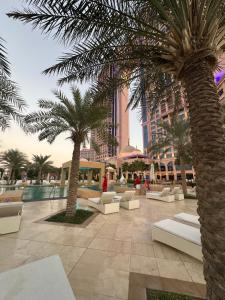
x,y
166,162
167,169
118,122
88,154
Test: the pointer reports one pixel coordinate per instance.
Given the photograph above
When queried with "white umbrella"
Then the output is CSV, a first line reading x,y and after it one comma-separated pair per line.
x,y
122,179
152,172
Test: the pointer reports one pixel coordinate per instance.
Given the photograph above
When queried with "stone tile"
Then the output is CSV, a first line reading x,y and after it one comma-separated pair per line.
x,y
66,239
97,259
34,248
124,235
187,258
103,281
70,256
10,247
86,295
15,260
82,241
111,245
100,244
144,265
125,247
173,269
164,251
195,270
107,233
142,249
158,251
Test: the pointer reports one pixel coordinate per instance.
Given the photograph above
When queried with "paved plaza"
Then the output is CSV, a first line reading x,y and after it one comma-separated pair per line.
x,y
99,257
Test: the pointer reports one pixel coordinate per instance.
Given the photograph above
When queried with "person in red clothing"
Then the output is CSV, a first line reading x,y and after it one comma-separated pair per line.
x,y
147,184
104,184
137,182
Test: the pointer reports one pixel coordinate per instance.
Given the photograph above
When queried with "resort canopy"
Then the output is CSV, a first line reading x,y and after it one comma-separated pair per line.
x,y
85,166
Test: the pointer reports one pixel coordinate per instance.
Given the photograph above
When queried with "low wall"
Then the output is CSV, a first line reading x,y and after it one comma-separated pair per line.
x,y
87,193
12,196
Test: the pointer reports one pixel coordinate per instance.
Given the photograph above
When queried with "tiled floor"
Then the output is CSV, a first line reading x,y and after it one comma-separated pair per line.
x,y
98,258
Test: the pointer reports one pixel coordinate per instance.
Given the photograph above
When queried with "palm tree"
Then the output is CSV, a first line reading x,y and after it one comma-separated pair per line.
x,y
177,135
76,117
11,104
183,38
42,163
14,160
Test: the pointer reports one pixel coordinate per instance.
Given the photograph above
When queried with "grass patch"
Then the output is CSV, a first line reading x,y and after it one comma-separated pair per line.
x,y
189,196
162,295
81,216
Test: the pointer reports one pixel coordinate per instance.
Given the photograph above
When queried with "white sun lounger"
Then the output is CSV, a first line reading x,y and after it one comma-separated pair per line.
x,y
127,200
10,217
178,193
180,236
44,279
188,218
165,195
105,203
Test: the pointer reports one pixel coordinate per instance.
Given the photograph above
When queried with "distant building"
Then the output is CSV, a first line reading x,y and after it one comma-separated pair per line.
x,y
88,154
118,121
167,169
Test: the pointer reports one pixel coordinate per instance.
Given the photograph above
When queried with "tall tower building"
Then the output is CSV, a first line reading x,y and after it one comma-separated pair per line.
x,y
167,169
118,122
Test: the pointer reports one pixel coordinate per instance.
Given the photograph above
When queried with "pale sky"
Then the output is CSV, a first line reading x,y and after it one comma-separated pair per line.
x,y
30,53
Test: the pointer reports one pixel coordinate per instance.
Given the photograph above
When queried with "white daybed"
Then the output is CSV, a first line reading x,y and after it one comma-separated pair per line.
x,y
127,200
188,218
10,217
192,191
180,236
105,203
43,279
165,195
178,193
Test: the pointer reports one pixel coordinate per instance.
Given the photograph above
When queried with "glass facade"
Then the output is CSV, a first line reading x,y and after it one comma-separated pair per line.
x,y
145,136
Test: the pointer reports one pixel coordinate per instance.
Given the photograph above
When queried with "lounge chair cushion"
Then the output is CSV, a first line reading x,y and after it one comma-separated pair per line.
x,y
188,218
95,200
107,197
177,190
39,280
125,198
186,232
106,201
165,192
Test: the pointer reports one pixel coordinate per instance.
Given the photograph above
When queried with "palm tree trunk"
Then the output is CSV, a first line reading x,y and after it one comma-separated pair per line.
x,y
39,176
209,162
12,175
73,181
183,177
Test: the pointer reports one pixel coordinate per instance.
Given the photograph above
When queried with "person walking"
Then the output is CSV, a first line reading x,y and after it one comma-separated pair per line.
x,y
104,184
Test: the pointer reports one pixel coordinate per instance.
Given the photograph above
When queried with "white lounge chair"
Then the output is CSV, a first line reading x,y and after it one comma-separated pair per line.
x,y
192,191
180,236
44,279
105,203
127,200
178,193
10,217
165,195
192,219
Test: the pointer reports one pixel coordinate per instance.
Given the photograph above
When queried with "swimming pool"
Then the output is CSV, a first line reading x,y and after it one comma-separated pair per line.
x,y
42,192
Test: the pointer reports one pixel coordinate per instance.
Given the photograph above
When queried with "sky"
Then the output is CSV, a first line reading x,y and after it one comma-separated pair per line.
x,y
29,53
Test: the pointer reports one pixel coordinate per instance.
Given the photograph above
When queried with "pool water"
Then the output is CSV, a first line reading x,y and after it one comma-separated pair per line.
x,y
37,193
42,192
